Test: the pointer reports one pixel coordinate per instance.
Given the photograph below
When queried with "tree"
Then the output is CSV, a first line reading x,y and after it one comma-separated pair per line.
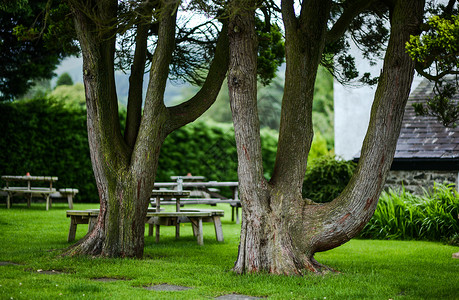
x,y
125,166
64,79
281,231
435,52
34,37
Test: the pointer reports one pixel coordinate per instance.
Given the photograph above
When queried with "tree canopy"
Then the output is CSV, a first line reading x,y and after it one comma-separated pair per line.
x,y
35,36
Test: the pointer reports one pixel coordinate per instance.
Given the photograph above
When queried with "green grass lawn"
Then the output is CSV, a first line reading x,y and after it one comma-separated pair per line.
x,y
34,239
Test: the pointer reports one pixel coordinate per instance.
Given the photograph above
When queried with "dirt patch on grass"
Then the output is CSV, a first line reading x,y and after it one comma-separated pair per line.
x,y
167,287
109,279
8,263
50,272
237,297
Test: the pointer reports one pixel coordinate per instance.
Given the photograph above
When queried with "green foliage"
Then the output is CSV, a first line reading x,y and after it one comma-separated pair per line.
x,y
70,95
436,53
270,50
208,149
43,137
432,216
64,79
326,177
318,147
30,46
441,105
439,43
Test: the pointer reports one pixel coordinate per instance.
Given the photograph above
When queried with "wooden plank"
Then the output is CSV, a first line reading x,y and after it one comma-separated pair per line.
x,y
29,178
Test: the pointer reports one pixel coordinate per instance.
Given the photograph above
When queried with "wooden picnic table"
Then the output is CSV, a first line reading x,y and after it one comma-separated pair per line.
x,y
157,217
207,187
168,195
153,218
29,190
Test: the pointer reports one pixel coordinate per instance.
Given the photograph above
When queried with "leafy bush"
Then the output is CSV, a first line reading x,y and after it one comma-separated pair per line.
x,y
326,177
432,216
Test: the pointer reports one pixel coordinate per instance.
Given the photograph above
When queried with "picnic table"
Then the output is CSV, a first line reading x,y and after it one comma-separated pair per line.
x,y
156,217
29,190
210,188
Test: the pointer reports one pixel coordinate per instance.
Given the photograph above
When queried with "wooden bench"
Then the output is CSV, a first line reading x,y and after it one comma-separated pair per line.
x,y
155,219
68,193
28,190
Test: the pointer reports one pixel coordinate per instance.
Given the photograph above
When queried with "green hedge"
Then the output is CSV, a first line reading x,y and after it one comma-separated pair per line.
x,y
43,137
49,137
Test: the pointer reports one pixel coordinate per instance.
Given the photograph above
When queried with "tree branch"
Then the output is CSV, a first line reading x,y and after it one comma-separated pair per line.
x,y
437,77
341,25
154,114
134,104
288,14
190,110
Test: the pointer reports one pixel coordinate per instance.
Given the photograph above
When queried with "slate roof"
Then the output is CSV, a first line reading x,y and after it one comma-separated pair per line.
x,y
424,143
423,139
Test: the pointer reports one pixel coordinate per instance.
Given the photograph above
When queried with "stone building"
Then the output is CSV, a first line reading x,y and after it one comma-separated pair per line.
x,y
426,152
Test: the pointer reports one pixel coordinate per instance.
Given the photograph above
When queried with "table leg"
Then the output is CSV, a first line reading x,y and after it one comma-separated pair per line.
x,y
48,202
8,200
150,229
158,209
157,233
70,200
177,224
177,229
73,228
200,236
218,228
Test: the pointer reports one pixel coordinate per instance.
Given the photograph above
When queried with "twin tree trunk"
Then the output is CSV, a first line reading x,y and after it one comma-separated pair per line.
x,y
281,232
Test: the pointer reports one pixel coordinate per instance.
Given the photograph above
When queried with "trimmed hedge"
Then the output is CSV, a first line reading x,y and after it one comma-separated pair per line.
x,y
49,137
43,137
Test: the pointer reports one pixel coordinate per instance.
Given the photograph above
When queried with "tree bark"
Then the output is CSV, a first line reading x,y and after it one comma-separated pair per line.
x,y
281,232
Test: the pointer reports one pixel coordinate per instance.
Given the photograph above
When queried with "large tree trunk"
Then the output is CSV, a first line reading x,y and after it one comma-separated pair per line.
x,y
281,232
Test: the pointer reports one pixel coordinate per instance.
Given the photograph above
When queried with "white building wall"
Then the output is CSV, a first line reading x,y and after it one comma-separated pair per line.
x,y
352,107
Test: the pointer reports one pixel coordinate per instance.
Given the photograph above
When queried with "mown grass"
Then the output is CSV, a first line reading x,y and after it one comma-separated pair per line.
x,y
35,238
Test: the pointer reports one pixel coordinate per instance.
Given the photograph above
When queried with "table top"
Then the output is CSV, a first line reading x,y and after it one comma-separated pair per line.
x,y
169,193
190,177
29,178
199,184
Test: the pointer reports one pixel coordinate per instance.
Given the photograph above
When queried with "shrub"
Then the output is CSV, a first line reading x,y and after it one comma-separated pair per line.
x,y
432,216
326,177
